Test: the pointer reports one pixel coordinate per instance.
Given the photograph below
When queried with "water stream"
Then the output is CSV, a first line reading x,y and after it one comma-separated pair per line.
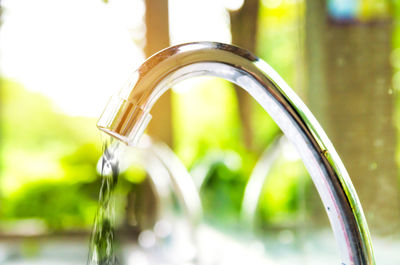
x,y
101,248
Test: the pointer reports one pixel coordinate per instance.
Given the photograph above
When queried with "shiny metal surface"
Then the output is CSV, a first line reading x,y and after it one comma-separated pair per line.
x,y
127,115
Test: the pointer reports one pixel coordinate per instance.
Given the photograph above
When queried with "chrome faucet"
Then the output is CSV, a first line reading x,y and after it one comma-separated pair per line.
x,y
127,114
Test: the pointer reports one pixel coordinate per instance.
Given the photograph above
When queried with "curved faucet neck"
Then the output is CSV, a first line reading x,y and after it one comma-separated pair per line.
x,y
127,115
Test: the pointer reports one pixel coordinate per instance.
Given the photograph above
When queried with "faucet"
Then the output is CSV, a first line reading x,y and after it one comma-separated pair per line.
x,y
128,113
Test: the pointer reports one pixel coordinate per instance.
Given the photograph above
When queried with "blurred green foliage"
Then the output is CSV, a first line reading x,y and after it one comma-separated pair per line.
x,y
36,137
223,184
374,9
283,193
49,163
48,157
58,203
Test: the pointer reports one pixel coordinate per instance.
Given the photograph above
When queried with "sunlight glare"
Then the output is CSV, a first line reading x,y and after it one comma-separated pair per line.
x,y
75,52
233,5
192,20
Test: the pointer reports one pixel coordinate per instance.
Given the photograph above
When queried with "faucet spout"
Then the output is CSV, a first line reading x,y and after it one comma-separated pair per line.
x,y
128,113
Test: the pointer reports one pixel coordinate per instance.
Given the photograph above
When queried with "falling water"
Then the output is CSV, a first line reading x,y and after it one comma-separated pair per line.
x,y
101,250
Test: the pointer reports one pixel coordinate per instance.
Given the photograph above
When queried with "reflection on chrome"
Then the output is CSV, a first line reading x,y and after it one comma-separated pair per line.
x,y
127,115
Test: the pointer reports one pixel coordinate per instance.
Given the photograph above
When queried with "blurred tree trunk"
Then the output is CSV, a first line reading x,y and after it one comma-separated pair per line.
x,y
157,38
244,32
350,93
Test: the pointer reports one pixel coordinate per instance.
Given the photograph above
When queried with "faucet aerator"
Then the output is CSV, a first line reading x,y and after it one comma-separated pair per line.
x,y
124,120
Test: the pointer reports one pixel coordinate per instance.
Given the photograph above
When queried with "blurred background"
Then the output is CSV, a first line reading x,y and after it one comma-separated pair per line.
x,y
62,60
